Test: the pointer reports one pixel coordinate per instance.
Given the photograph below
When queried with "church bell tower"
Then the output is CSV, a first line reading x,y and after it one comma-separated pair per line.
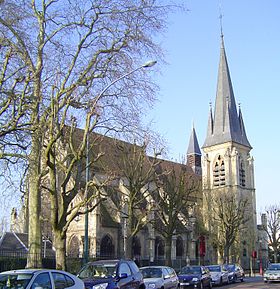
x,y
227,165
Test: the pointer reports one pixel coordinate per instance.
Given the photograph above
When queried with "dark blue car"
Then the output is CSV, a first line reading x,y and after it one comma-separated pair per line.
x,y
195,277
112,274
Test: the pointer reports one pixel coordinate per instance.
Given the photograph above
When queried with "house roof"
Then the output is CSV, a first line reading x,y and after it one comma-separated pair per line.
x,y
14,242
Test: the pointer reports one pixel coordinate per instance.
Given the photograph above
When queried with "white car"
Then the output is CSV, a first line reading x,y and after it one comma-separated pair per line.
x,y
159,277
272,273
39,279
219,274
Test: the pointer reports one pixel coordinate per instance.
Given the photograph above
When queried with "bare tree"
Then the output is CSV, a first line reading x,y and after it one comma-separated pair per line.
x,y
179,190
57,59
272,228
229,218
137,173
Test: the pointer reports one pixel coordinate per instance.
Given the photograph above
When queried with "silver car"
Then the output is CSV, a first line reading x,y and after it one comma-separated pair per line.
x,y
39,279
219,274
272,273
156,277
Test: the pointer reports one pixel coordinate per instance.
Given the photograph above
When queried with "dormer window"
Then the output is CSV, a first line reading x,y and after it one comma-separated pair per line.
x,y
219,178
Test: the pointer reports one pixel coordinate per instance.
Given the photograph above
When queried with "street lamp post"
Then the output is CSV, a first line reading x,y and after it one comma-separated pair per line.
x,y
260,250
145,65
86,195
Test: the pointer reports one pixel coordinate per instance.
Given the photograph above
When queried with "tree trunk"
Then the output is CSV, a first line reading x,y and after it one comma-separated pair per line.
x,y
168,248
226,254
34,257
60,249
275,255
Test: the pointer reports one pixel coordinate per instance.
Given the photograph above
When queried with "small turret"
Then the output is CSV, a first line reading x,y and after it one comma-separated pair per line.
x,y
194,153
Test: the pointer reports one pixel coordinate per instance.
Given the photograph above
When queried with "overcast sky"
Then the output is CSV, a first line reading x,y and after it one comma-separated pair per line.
x,y
251,31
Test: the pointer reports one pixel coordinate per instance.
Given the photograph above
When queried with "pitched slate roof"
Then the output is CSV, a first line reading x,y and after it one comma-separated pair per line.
x,y
193,148
226,125
14,242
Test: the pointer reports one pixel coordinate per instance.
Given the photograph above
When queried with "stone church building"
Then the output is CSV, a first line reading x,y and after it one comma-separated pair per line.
x,y
225,166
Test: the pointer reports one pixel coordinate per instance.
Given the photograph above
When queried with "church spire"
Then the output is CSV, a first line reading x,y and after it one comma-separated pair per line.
x,y
194,153
226,122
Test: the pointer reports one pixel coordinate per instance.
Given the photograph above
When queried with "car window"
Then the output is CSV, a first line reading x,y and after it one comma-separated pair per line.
x,y
18,281
151,272
165,273
43,281
98,270
171,272
124,269
214,268
62,281
274,267
134,267
190,270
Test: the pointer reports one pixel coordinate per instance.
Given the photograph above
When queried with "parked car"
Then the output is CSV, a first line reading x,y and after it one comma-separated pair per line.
x,y
219,274
39,278
109,274
272,273
159,277
195,277
235,272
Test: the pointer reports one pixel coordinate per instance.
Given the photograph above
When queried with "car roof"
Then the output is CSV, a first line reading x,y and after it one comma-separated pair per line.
x,y
160,267
32,271
106,261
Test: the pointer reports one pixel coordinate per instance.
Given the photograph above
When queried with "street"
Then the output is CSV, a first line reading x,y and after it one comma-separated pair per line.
x,y
252,282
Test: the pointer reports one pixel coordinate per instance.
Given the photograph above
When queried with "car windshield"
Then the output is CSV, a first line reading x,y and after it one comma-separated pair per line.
x,y
151,272
214,268
97,271
190,270
274,267
230,268
14,280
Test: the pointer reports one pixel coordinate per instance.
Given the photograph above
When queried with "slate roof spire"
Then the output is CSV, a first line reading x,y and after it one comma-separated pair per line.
x,y
194,153
193,147
226,125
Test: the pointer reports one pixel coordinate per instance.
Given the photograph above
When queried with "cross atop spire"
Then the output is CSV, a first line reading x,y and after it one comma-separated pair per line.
x,y
221,22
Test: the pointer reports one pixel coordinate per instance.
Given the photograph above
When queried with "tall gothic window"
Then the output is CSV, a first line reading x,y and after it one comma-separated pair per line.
x,y
107,248
219,176
241,173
